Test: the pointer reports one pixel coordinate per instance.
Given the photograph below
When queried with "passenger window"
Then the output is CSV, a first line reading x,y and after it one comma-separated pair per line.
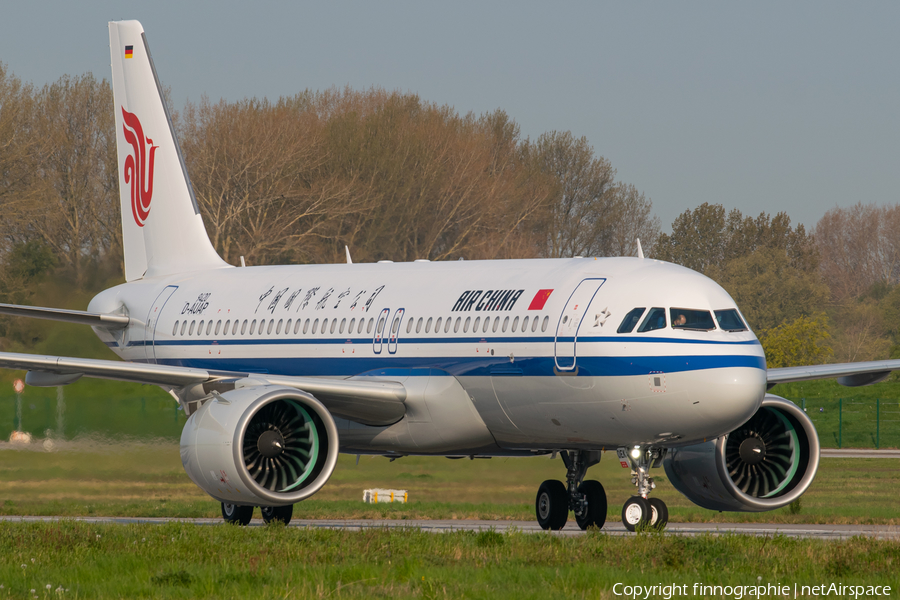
x,y
655,319
183,325
305,326
689,318
515,324
409,324
200,328
262,325
419,325
524,324
395,326
534,325
466,324
487,323
456,325
243,327
448,322
505,324
191,330
437,325
315,326
730,320
324,326
175,329
287,327
545,323
631,319
361,322
428,325
476,324
227,327
218,326
352,325
496,324
269,330
333,325
209,327
369,326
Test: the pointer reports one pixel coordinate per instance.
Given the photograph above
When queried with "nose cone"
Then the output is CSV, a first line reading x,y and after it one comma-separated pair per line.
x,y
729,397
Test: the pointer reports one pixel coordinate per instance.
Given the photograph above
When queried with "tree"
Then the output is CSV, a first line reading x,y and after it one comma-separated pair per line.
x,y
859,246
590,214
803,341
698,239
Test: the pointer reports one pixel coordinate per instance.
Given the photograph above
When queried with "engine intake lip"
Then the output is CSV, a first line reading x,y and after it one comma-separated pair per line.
x,y
807,457
324,469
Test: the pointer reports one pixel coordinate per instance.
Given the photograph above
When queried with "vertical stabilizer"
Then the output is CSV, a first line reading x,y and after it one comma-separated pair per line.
x,y
162,231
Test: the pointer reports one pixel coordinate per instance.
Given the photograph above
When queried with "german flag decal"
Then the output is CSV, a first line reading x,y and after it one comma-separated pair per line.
x,y
129,51
537,303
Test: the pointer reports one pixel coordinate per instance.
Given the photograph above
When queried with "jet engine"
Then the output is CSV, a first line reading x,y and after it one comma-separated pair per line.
x,y
262,445
764,464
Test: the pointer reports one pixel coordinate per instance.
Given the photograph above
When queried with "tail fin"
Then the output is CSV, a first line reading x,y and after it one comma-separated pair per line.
x,y
162,231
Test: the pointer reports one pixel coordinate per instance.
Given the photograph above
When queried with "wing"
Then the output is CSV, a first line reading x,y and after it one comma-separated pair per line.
x,y
848,374
369,402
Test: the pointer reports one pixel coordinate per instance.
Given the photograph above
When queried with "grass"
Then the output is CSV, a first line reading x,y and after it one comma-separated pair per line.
x,y
147,480
73,559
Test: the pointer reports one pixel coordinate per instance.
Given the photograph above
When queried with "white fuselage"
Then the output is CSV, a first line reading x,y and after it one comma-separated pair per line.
x,y
494,363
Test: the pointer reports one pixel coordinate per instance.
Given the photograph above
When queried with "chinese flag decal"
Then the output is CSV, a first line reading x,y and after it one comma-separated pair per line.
x,y
537,303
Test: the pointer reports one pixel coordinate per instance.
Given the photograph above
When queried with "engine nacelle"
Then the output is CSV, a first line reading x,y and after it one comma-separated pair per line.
x,y
766,463
264,445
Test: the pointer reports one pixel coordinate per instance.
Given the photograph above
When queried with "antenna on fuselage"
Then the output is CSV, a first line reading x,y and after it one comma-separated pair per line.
x,y
640,250
349,260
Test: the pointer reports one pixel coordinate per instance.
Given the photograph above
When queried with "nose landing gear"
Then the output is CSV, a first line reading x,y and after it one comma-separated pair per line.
x,y
587,499
641,510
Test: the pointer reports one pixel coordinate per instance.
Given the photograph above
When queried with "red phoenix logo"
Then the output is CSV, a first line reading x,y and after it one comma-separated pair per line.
x,y
140,176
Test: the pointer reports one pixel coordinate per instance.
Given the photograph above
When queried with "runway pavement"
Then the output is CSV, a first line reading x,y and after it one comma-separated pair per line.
x,y
858,453
612,528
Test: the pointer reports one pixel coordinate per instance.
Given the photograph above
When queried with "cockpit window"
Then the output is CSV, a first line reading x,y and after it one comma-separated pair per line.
x,y
730,320
690,318
630,320
655,319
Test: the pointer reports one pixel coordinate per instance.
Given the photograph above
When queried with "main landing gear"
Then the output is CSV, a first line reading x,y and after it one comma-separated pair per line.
x,y
587,499
641,511
241,515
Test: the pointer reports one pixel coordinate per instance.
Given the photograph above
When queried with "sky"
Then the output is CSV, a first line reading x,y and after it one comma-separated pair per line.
x,y
763,106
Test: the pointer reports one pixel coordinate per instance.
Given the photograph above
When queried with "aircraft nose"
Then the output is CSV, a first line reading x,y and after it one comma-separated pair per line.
x,y
729,397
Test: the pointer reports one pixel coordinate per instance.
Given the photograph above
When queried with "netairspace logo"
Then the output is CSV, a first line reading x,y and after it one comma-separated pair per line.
x,y
738,592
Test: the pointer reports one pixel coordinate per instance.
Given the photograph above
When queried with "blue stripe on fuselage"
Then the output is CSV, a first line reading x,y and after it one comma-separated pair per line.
x,y
588,366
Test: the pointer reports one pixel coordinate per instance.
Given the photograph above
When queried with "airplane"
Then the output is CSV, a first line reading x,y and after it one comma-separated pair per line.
x,y
281,368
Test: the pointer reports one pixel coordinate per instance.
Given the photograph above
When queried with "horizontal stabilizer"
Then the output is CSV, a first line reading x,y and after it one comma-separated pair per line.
x,y
107,321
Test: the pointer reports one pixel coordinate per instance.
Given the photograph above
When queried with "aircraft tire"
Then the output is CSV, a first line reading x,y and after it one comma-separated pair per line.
x,y
552,505
237,515
595,513
659,513
635,513
277,513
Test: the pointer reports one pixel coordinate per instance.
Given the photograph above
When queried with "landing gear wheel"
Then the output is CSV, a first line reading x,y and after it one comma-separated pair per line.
x,y
237,515
552,505
659,513
595,511
277,513
635,513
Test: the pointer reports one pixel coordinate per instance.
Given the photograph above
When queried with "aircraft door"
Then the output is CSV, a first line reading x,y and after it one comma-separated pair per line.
x,y
570,321
395,330
153,320
378,340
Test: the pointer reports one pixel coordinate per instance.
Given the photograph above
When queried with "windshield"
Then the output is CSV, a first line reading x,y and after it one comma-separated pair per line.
x,y
630,320
730,320
655,319
691,318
